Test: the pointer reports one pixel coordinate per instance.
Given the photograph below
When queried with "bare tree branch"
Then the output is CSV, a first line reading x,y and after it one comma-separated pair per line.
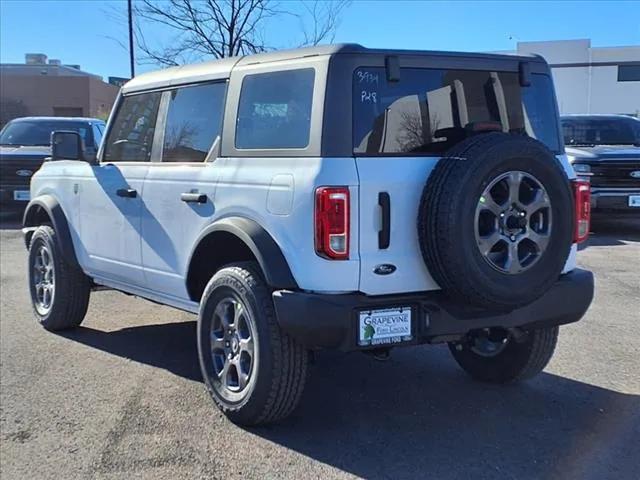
x,y
324,17
197,29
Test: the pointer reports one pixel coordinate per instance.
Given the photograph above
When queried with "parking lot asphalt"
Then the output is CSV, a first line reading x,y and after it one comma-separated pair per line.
x,y
122,397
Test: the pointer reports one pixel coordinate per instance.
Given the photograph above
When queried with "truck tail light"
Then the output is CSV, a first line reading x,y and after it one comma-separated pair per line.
x,y
582,198
332,222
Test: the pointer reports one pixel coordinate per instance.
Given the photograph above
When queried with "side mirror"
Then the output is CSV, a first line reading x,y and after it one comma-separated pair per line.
x,y
67,145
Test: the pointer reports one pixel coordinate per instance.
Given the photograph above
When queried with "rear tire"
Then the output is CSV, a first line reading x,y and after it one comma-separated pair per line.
x,y
254,372
517,360
59,289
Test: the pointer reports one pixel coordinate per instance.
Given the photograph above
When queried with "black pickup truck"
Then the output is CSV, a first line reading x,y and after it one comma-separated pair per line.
x,y
25,143
606,149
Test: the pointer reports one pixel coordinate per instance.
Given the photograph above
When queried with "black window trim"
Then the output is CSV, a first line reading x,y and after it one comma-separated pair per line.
x,y
337,138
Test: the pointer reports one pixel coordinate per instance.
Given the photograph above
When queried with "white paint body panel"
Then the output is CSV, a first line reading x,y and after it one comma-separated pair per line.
x,y
404,179
170,227
104,227
248,185
110,225
142,245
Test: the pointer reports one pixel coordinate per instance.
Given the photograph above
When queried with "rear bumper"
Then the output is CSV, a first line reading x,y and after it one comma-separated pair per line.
x,y
331,321
613,200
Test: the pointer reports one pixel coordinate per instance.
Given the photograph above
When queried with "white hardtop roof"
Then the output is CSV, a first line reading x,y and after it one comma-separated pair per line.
x,y
221,68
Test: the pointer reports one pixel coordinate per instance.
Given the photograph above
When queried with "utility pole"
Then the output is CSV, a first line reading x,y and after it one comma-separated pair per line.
x,y
131,54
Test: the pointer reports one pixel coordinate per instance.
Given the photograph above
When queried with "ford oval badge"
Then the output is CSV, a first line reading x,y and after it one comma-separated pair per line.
x,y
635,174
24,173
384,269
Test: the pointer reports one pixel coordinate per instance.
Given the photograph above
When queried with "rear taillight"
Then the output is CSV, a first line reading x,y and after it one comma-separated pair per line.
x,y
582,199
332,222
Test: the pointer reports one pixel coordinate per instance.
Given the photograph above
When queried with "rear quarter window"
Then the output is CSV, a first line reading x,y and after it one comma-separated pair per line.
x,y
275,110
428,111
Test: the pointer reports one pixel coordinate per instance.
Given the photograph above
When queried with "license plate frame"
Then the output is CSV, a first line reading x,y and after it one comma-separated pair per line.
x,y
634,201
381,327
21,195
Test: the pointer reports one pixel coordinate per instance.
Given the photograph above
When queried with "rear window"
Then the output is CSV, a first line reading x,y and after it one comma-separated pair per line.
x,y
430,110
275,110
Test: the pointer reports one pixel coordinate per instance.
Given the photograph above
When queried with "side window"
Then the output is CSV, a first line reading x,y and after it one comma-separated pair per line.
x,y
97,135
194,122
275,110
131,135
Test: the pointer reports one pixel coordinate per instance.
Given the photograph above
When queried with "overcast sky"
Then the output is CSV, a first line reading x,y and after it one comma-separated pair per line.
x,y
82,32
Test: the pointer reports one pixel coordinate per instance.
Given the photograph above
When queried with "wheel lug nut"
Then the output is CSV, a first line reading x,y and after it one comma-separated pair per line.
x,y
228,344
513,238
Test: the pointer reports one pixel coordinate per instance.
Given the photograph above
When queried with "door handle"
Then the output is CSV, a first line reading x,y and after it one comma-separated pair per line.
x,y
384,235
127,193
193,197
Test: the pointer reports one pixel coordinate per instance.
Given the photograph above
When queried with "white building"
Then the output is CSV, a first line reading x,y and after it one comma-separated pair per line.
x,y
592,79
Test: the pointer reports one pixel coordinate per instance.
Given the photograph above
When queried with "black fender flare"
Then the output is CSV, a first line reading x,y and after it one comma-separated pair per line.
x,y
52,207
267,252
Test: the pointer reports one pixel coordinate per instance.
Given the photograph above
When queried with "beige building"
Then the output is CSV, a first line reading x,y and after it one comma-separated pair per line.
x,y
38,87
592,79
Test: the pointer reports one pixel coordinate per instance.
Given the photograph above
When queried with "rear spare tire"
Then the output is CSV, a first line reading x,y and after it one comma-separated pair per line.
x,y
496,221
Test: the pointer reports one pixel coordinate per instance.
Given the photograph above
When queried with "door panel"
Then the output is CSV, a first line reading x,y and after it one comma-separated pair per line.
x,y
180,189
111,197
403,178
110,224
170,226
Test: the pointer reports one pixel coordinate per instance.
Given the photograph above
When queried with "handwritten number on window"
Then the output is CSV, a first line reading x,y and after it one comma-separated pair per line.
x,y
368,97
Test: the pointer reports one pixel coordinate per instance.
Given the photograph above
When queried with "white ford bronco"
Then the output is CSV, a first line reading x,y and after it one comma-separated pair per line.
x,y
330,197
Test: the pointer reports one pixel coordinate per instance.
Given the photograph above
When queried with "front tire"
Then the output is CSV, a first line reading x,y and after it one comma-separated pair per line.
x,y
59,289
497,357
254,372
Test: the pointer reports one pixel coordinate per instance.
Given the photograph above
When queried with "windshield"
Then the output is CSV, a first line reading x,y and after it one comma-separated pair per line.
x,y
38,132
601,131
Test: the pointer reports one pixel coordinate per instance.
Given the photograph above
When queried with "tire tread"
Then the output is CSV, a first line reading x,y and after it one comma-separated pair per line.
x,y
289,370
73,287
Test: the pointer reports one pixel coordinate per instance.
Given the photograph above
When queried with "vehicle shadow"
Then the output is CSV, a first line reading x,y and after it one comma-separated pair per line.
x,y
170,346
419,416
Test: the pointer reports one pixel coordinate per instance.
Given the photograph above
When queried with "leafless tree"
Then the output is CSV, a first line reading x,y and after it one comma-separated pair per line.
x,y
198,29
321,20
